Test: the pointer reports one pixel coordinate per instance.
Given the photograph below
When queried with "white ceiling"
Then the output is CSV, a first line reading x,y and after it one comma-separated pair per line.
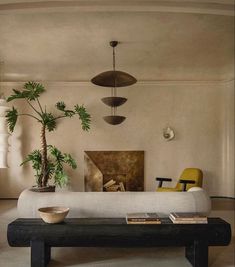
x,y
58,44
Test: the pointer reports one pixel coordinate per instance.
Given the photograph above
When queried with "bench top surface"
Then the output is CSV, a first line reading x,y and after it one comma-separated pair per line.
x,y
116,232
104,221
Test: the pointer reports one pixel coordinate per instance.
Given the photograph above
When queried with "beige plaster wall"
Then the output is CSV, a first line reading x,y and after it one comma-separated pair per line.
x,y
201,114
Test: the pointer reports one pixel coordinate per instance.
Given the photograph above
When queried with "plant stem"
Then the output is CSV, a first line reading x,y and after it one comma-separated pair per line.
x,y
64,116
39,105
24,114
44,179
34,108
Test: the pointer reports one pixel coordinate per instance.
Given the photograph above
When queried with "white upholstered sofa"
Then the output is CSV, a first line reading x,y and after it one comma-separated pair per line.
x,y
114,204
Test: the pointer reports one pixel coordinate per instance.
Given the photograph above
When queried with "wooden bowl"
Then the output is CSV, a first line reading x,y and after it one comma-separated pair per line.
x,y
53,214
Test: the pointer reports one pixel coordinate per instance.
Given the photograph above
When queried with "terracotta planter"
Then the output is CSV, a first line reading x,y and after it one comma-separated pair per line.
x,y
50,188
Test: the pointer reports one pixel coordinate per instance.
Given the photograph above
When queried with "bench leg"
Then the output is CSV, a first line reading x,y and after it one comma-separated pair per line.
x,y
40,253
197,253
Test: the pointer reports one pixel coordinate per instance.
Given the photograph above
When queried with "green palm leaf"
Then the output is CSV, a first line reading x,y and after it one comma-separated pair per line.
x,y
84,116
49,121
69,160
11,118
32,91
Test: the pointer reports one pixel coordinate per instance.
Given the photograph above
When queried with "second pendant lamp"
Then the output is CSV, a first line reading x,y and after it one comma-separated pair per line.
x,y
114,79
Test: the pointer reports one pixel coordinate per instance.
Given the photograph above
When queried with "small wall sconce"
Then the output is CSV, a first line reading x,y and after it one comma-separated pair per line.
x,y
168,133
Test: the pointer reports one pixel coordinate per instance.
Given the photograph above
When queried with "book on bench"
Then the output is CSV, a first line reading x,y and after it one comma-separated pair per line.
x,y
143,218
187,217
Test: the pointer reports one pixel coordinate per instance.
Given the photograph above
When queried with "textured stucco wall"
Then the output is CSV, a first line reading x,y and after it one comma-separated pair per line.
x,y
74,46
201,114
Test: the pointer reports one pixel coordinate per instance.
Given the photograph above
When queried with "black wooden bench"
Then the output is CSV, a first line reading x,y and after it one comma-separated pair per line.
x,y
104,232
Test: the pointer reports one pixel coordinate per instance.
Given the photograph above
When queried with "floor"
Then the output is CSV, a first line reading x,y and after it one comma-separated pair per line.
x,y
118,257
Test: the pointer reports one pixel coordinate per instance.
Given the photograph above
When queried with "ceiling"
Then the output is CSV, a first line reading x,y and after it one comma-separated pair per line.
x,y
59,42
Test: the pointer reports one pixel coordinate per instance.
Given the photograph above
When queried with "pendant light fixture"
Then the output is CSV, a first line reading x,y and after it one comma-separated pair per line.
x,y
114,79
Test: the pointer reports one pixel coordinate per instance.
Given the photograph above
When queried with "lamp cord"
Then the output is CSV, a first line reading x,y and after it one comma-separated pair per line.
x,y
114,89
114,63
114,68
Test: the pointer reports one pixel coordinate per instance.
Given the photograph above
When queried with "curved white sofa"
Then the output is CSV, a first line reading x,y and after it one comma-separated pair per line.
x,y
114,204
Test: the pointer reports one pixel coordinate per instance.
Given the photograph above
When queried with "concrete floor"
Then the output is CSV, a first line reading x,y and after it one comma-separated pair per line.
x,y
118,257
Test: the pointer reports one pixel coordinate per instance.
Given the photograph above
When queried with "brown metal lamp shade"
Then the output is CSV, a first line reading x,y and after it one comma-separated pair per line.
x,y
114,119
114,101
113,78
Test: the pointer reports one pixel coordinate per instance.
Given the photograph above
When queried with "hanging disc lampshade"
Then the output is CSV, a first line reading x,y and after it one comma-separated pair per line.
x,y
114,101
114,119
114,79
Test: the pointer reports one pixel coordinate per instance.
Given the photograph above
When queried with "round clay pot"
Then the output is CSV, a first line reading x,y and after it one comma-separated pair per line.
x,y
53,214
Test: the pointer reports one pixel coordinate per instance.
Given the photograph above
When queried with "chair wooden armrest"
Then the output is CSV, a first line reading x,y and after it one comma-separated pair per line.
x,y
162,179
185,182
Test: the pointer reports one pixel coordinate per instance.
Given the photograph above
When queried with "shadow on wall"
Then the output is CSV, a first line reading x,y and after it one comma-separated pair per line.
x,y
208,180
15,158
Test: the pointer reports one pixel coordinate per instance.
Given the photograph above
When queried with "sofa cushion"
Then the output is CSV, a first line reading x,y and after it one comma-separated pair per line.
x,y
114,204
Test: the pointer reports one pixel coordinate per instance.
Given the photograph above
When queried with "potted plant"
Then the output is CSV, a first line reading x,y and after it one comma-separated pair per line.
x,y
48,162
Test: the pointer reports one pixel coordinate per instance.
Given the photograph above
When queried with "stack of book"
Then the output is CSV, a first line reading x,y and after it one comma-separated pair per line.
x,y
187,217
143,218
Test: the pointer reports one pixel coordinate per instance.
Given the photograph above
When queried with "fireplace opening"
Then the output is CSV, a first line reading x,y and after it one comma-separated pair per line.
x,y
113,171
114,183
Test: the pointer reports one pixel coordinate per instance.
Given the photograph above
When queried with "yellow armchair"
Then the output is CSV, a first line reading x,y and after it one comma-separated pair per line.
x,y
190,177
